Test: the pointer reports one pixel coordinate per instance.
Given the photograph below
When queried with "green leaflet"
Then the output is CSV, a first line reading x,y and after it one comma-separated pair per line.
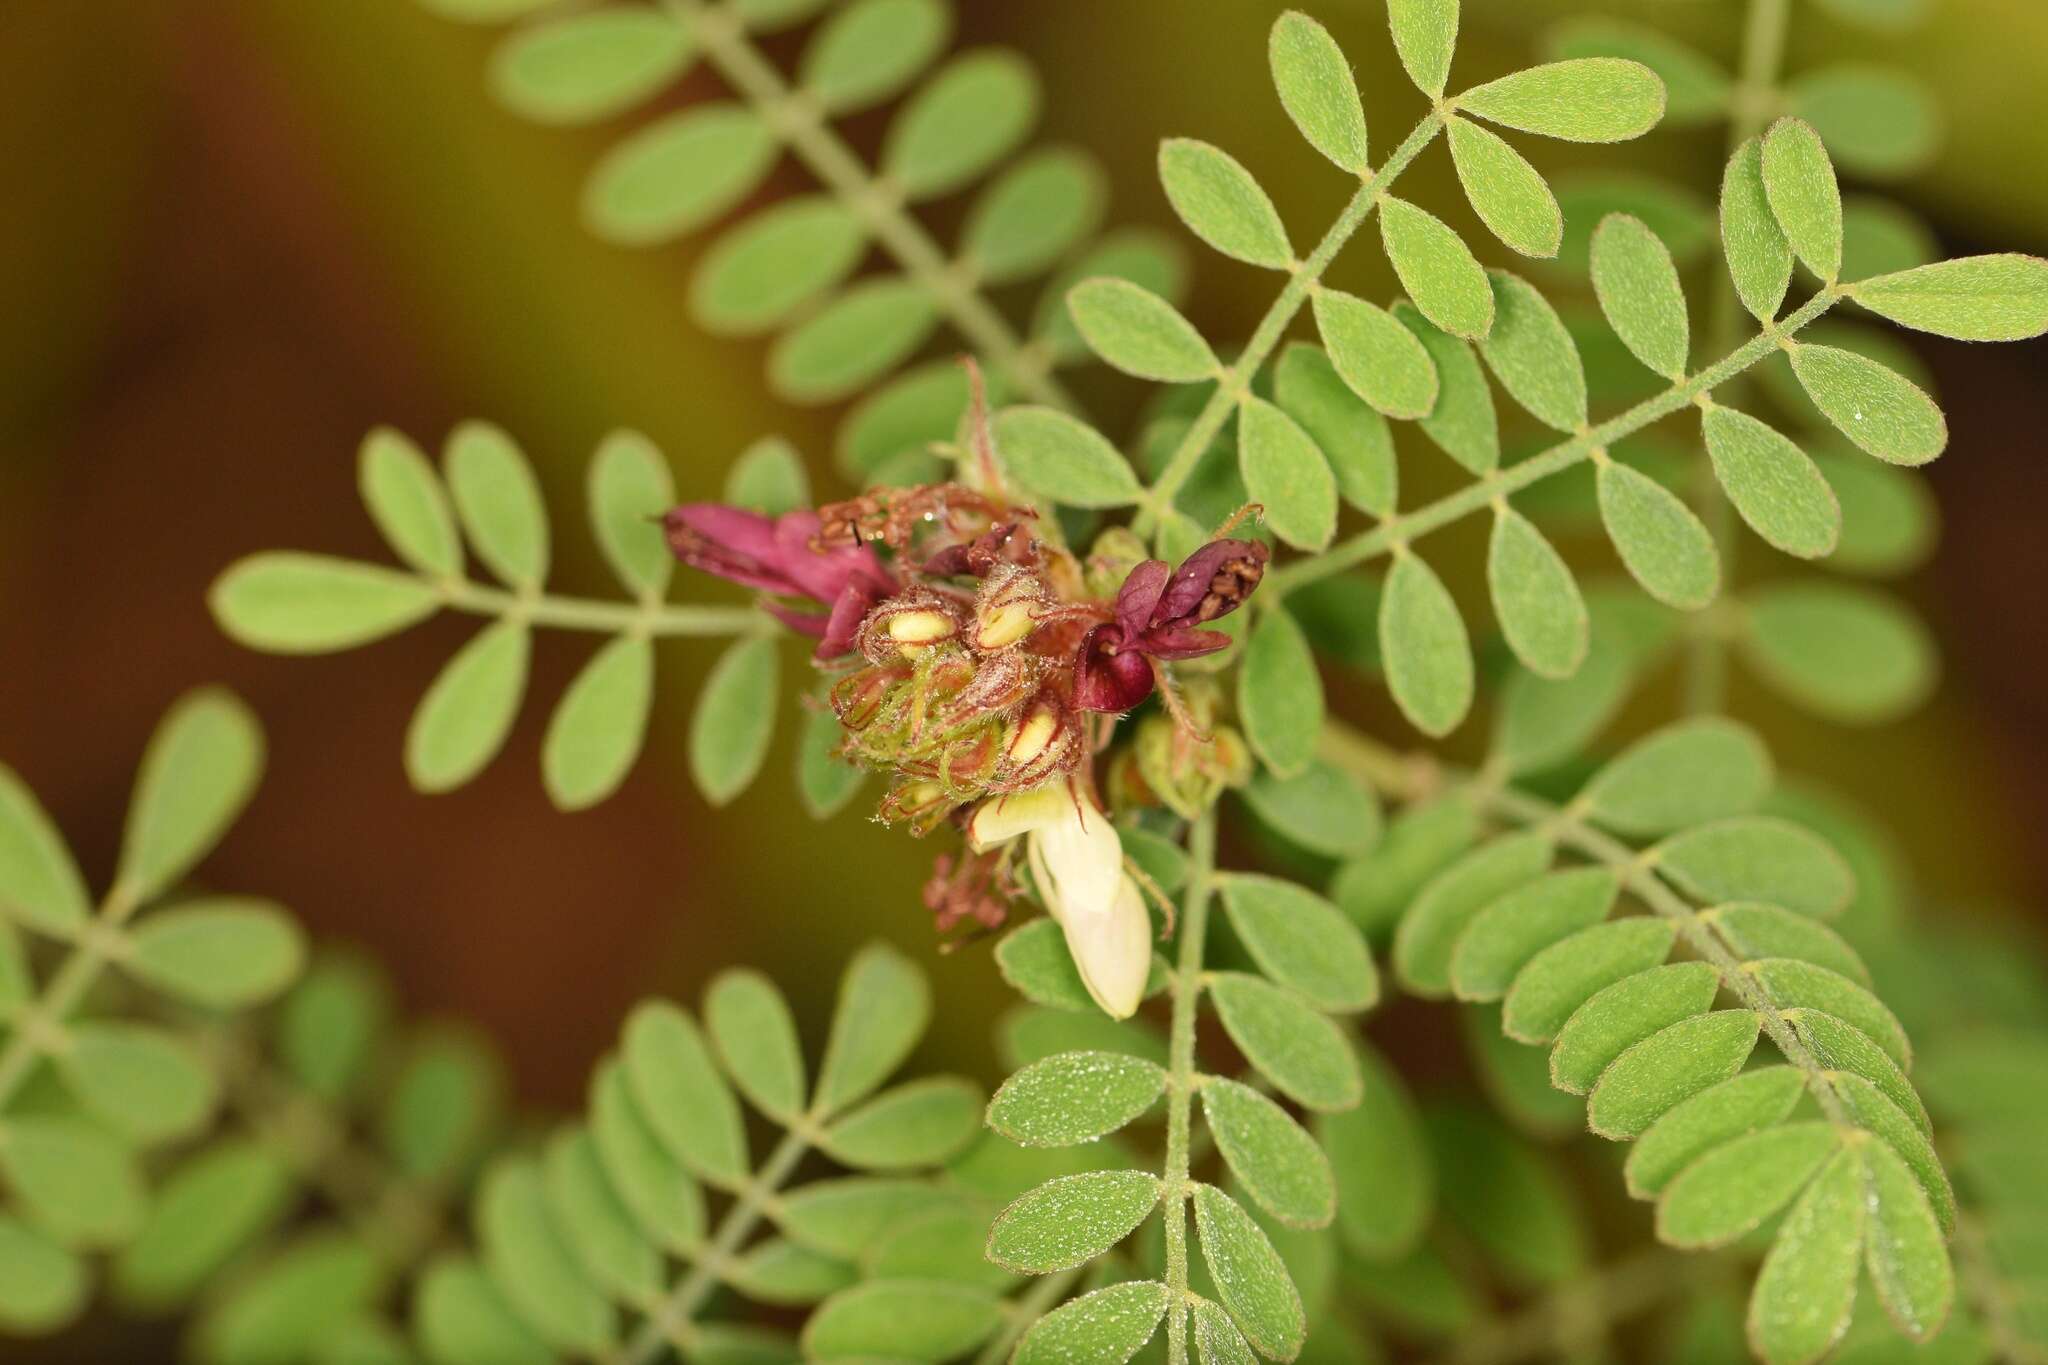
x,y
883,1007
663,1197
1758,254
629,488
1800,985
918,1319
145,1083
304,1296
597,730
1378,359
284,602
919,1123
587,67
1696,90
1429,931
1271,1155
1637,283
1669,1066
405,499
1354,438
769,478
826,782
1758,858
962,121
1502,1194
441,1105
1876,121
1544,721
1772,483
499,503
868,51
1686,774
1535,597
40,885
462,1318
681,1093
1584,99
844,1217
1733,1188
755,1036
1302,941
224,953
1317,89
1533,355
42,1286
1807,1285
779,1271
1279,696
1222,204
1662,543
1217,1339
589,1217
1420,842
1753,1101
1427,653
1905,1245
765,268
1071,1220
1075,1097
1509,195
1145,257
1755,932
1503,937
1516,1078
1300,1051
1977,298
1034,959
1463,422
1034,1033
1680,216
1841,1047
1323,809
1904,1134
1139,333
1286,474
72,1181
732,724
1624,1014
1110,1325
941,1243
204,1211
1562,977
1799,181
1425,34
678,173
197,774
1250,1276
1436,268
1880,410
853,340
1378,1155
1850,654
1062,459
1033,214
1880,237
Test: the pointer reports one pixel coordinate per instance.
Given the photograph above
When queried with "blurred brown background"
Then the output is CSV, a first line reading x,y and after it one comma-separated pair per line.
x,y
238,233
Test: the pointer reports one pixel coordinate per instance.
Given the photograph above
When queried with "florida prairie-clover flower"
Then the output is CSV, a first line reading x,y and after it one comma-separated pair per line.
x,y
982,667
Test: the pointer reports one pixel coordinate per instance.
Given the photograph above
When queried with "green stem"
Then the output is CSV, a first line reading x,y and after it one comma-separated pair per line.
x,y
652,617
799,121
1402,530
1236,381
1187,993
673,1322
38,1028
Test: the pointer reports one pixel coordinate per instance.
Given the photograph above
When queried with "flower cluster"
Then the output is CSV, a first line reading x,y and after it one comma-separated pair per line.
x,y
981,665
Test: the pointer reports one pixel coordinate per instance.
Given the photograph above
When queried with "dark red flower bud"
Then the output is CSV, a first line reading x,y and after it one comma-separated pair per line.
x,y
1157,615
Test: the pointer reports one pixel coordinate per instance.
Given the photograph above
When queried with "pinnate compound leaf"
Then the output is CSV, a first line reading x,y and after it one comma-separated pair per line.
x,y
1730,1190
197,774
1778,490
855,339
1567,974
965,119
1033,214
1463,423
597,730
1978,298
225,953
40,885
1286,473
1807,1285
1533,355
922,1320
499,503
1880,410
919,1123
1300,1051
1436,268
681,1093
1071,1220
734,720
1250,1276
1509,195
1503,937
1425,34
1272,1156
1352,436
1535,597
1427,653
678,173
407,502
1753,1101
1222,204
1905,1247
1848,653
1428,934
1662,543
1317,89
1623,1015
1799,181
1584,99
1684,774
1302,941
1279,696
1637,283
1063,460
751,1027
884,1005
1075,1097
1378,359
868,51
1759,858
1110,1325
285,602
589,66
1670,1066
1758,254
1322,809
1139,333
72,1181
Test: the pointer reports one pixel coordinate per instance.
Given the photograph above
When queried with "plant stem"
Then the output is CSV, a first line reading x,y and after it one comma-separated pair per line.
x,y
39,1027
1187,993
1236,381
651,618
798,120
1402,530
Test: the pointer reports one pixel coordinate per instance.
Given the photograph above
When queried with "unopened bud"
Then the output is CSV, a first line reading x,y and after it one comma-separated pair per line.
x,y
914,630
1008,609
923,804
859,697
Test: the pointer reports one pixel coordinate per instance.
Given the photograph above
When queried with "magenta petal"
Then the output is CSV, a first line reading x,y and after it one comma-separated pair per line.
x,y
1181,642
1106,680
1138,598
802,622
728,543
824,574
1197,573
849,609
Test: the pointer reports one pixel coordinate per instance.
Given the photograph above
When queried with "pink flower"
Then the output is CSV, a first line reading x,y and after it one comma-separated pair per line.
x,y
1158,616
781,556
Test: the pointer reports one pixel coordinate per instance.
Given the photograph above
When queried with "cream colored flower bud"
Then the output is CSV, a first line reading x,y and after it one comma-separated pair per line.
x,y
915,630
1002,626
1039,730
